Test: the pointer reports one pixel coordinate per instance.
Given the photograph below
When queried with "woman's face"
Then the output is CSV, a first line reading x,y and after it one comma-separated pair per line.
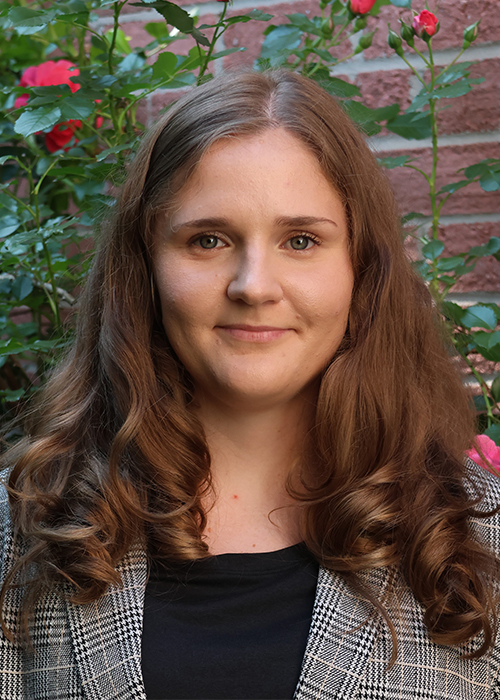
x,y
253,271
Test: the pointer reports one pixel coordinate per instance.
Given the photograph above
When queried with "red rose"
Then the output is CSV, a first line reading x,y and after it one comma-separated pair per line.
x,y
52,73
425,24
361,7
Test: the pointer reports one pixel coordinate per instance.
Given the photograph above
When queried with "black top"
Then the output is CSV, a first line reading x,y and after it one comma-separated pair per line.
x,y
229,627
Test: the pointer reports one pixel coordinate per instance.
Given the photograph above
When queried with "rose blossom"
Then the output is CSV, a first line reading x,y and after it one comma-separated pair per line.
x,y
52,73
361,7
490,450
426,23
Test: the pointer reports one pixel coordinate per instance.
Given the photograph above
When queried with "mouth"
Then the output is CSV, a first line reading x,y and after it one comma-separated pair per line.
x,y
255,334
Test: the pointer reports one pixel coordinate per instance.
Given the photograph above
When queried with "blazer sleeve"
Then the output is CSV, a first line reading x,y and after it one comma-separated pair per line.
x,y
11,657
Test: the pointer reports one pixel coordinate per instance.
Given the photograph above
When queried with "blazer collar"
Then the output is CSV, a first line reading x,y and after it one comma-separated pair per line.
x,y
107,637
341,638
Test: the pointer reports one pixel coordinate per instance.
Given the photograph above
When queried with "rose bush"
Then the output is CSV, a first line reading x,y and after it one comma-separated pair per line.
x,y
52,73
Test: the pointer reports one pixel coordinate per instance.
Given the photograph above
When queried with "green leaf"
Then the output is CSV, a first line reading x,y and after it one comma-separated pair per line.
x,y
433,249
411,125
462,87
76,108
52,90
112,151
454,186
310,26
253,14
449,264
121,44
495,390
401,3
336,86
173,14
285,37
490,181
227,52
453,312
390,162
32,19
480,168
486,340
41,119
479,316
458,70
158,30
22,286
8,225
493,432
200,38
411,216
490,248
12,395
165,65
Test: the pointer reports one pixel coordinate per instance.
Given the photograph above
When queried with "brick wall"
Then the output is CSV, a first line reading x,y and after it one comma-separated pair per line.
x,y
470,126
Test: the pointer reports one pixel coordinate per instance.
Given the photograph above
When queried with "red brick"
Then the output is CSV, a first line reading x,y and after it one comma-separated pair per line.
x,y
382,88
412,192
136,34
250,34
454,16
159,100
479,110
459,238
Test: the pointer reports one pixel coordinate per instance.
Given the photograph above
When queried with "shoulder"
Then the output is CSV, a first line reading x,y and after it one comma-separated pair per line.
x,y
10,547
483,485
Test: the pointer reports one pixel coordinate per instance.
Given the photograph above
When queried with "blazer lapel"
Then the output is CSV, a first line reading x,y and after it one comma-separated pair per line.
x,y
106,636
339,644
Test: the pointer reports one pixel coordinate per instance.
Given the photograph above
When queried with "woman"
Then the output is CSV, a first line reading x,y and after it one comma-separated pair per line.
x,y
258,396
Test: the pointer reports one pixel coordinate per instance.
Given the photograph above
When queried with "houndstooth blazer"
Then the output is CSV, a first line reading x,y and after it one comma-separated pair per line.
x,y
94,651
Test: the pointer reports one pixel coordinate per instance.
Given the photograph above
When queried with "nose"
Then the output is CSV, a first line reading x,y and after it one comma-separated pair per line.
x,y
256,279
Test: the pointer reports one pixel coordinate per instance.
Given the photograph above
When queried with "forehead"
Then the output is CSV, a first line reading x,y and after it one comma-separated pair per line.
x,y
271,170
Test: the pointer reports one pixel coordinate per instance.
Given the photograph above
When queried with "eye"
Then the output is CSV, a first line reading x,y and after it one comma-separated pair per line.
x,y
302,242
208,242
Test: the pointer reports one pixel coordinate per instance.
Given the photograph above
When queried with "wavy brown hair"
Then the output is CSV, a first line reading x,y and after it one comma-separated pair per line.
x,y
113,453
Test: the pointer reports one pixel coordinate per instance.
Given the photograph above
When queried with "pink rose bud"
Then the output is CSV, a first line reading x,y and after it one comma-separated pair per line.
x,y
490,450
361,7
425,25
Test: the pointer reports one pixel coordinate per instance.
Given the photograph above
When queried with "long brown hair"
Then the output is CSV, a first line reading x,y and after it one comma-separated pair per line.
x,y
113,453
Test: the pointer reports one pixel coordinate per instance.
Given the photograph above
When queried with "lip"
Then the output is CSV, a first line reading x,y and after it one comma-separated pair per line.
x,y
255,334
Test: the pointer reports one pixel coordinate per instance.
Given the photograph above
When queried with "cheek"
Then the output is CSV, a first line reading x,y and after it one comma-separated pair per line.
x,y
187,299
326,300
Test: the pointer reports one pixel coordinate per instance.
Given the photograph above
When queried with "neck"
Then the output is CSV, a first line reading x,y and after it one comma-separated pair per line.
x,y
252,454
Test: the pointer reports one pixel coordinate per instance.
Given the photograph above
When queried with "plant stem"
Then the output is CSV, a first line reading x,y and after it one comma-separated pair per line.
x,y
217,35
484,389
415,71
450,64
52,297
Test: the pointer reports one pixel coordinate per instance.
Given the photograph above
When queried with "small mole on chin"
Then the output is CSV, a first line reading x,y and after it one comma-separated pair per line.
x,y
235,496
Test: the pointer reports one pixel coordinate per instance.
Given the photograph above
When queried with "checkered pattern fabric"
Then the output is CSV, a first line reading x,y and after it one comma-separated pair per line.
x,y
93,652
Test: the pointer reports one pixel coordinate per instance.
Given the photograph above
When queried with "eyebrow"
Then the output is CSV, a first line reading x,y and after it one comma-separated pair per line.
x,y
220,222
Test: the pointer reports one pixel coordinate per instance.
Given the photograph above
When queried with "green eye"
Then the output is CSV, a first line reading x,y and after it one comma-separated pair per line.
x,y
300,242
208,241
